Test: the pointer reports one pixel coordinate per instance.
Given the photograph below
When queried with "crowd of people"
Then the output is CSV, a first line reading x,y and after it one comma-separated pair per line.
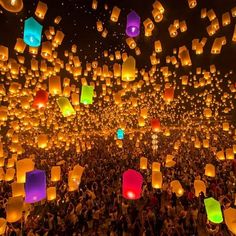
x,y
97,206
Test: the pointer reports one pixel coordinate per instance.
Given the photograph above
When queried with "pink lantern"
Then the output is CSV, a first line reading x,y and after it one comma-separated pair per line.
x,y
132,184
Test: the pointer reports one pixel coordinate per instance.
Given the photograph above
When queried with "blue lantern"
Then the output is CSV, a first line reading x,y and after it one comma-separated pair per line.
x,y
32,32
35,186
120,134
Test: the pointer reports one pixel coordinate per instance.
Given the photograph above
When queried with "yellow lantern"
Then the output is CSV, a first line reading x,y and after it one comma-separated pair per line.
x,y
192,3
226,126
51,193
169,161
143,163
199,186
55,173
128,69
42,141
156,179
177,188
156,166
229,153
41,10
14,209
210,170
23,166
220,155
55,85
77,173
3,225
230,219
10,174
18,189
115,14
206,143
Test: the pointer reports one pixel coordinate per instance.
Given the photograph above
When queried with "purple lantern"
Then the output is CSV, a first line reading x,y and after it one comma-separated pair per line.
x,y
133,24
35,186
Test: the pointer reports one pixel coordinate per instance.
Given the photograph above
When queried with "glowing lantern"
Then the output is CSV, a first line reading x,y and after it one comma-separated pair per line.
x,y
3,224
23,166
132,184
229,154
156,179
17,189
46,51
192,3
41,10
199,186
42,141
169,161
157,15
32,32
72,183
207,112
35,186
220,155
20,45
51,193
156,166
234,148
14,209
133,24
87,94
210,170
158,5
4,53
206,143
12,5
226,126
55,85
120,134
143,163
40,99
115,14
10,173
156,125
65,107
177,188
128,69
77,173
213,209
55,173
169,94
230,219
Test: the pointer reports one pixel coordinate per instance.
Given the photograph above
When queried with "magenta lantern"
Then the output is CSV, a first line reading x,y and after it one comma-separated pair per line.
x,y
133,24
132,184
35,186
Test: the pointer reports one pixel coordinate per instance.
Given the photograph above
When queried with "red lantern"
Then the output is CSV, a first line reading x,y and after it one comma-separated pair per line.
x,y
132,184
40,99
156,125
169,94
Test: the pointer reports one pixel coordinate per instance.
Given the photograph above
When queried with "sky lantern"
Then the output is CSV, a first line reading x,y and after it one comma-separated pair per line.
x,y
87,94
115,14
77,173
3,224
156,166
169,94
35,186
51,193
192,3
156,125
128,69
133,24
120,134
4,53
169,161
230,219
156,179
13,5
42,141
213,210
229,153
65,107
55,85
14,209
177,188
72,183
55,173
17,189
210,170
199,186
41,10
132,184
40,99
23,166
143,163
32,32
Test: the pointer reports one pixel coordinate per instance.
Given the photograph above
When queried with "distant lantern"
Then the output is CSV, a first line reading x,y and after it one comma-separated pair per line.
x,y
120,134
128,69
156,166
230,219
51,193
132,184
156,179
55,85
32,32
133,24
35,186
65,107
143,163
55,173
210,170
3,225
4,53
169,94
199,186
192,3
42,141
213,209
87,94
40,99
14,209
177,188
41,10
156,125
115,14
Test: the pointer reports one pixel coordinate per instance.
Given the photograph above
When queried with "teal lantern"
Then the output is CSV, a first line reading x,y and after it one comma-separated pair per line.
x,y
213,209
86,95
32,32
120,134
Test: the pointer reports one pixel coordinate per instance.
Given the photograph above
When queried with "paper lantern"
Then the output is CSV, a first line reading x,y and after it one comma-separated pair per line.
x,y
143,163
156,125
18,189
3,224
157,15
169,161
40,99
72,183
192,3
156,179
41,10
229,154
120,134
210,170
77,173
35,186
206,143
55,85
32,32
169,94
51,193
128,69
225,126
14,209
199,186
132,184
87,94
55,173
156,166
23,166
220,155
213,210
115,14
133,24
4,54
42,141
10,174
177,188
12,5
158,5
65,107
230,219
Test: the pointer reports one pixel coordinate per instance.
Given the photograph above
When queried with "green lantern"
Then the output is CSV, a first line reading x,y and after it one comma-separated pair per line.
x,y
86,95
65,106
213,209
